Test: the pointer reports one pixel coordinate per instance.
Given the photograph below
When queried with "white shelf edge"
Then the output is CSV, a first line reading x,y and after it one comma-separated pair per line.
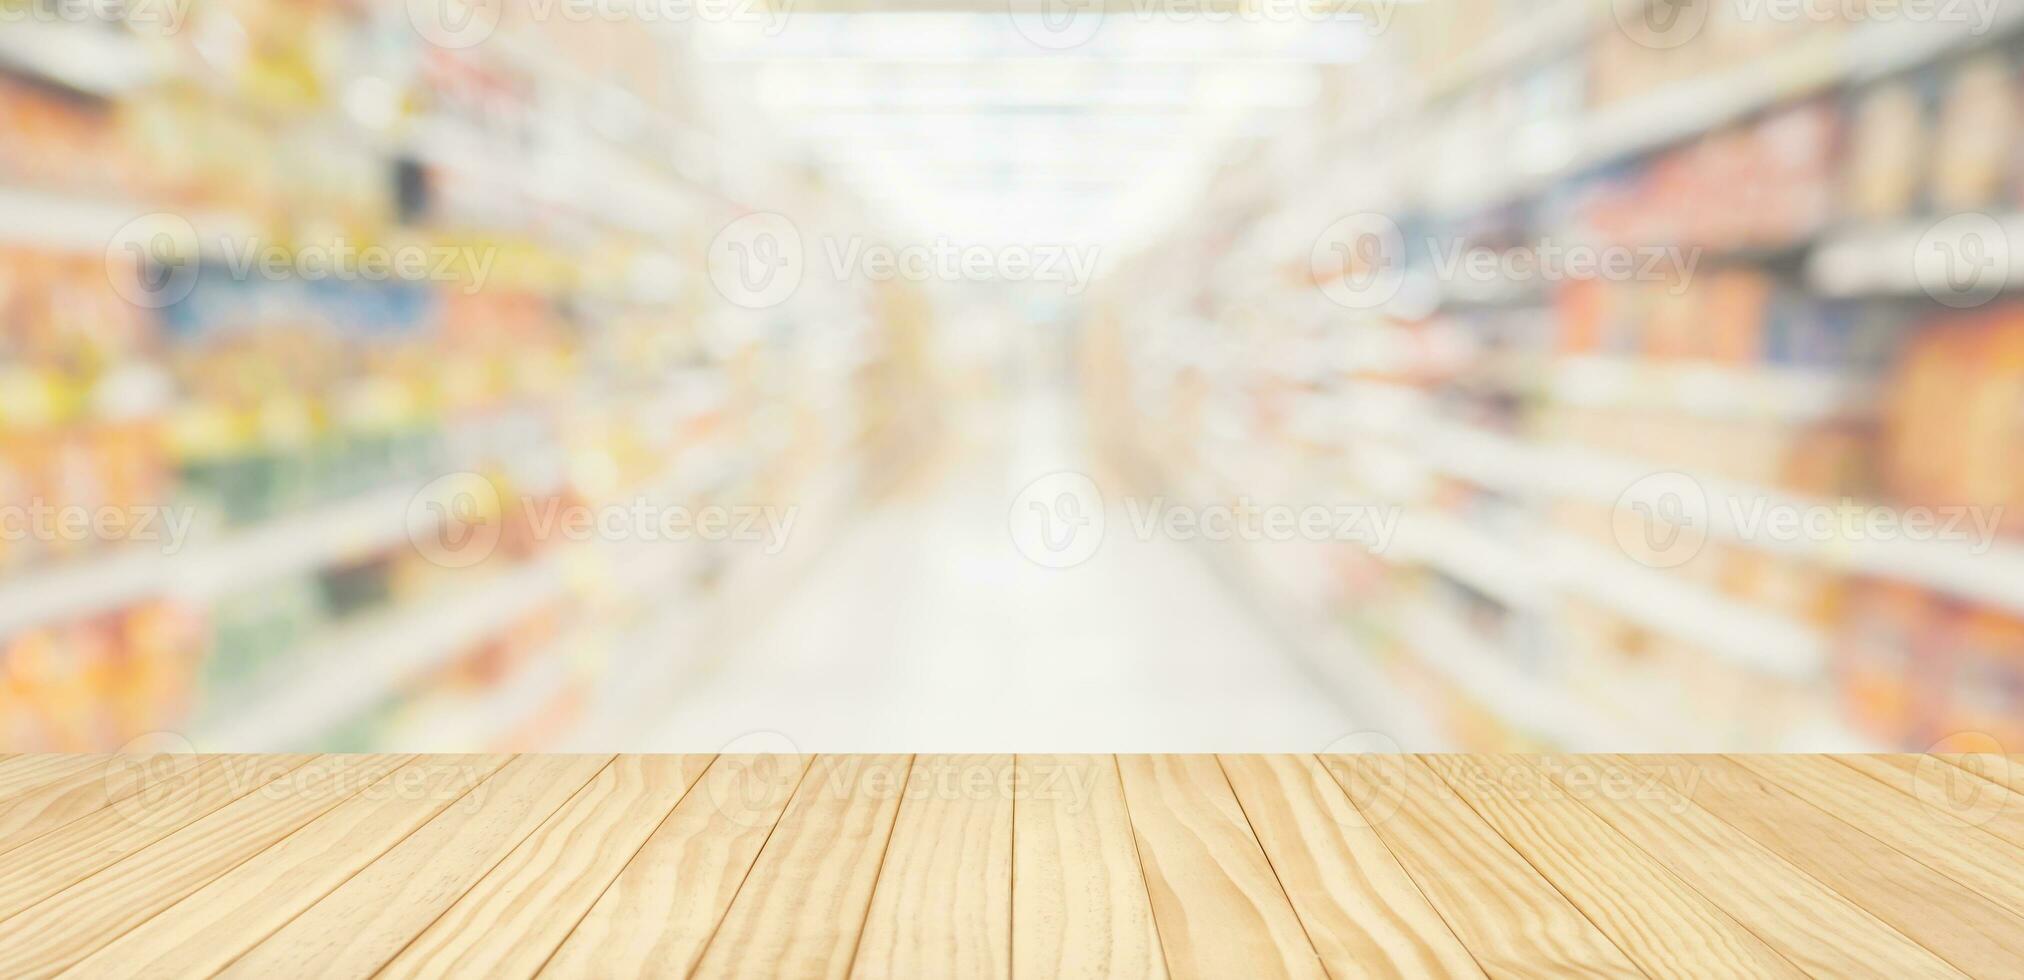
x,y
1523,701
71,221
346,674
243,557
1703,103
1994,576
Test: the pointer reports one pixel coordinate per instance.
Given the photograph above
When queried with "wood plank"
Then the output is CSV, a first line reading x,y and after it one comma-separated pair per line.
x,y
942,906
515,917
1958,797
58,932
1663,925
1364,914
34,871
206,931
21,773
662,909
1810,924
1513,921
35,811
802,908
1218,906
1983,862
357,928
1079,901
2006,771
1963,928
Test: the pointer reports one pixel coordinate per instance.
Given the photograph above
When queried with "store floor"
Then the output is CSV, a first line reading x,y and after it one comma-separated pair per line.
x,y
921,628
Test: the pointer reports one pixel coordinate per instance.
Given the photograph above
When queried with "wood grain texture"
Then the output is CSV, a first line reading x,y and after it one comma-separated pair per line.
x,y
996,866
657,915
1220,909
56,933
1963,928
1959,798
365,922
1512,920
1079,902
206,931
1656,919
801,910
38,809
1976,859
20,773
51,862
1810,924
2003,770
1363,913
515,917
942,906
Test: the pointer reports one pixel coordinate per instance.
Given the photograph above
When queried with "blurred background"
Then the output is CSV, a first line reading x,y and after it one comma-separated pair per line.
x,y
1063,376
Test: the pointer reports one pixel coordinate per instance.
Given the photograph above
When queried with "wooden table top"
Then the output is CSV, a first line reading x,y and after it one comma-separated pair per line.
x,y
996,866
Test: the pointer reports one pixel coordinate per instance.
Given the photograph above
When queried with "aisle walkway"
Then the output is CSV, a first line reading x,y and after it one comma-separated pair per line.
x,y
923,629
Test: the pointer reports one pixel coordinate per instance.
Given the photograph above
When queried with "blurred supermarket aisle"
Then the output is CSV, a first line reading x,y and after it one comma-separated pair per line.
x,y
924,629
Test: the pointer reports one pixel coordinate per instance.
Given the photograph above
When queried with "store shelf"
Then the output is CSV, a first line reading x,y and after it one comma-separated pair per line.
x,y
309,539
346,674
1526,574
648,581
1676,607
1533,37
406,644
65,222
1536,705
1708,390
1817,61
72,590
312,538
1913,258
1994,574
477,723
1474,558
85,58
1349,671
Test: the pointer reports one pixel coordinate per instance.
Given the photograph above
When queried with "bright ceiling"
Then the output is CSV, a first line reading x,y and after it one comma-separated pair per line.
x,y
995,128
